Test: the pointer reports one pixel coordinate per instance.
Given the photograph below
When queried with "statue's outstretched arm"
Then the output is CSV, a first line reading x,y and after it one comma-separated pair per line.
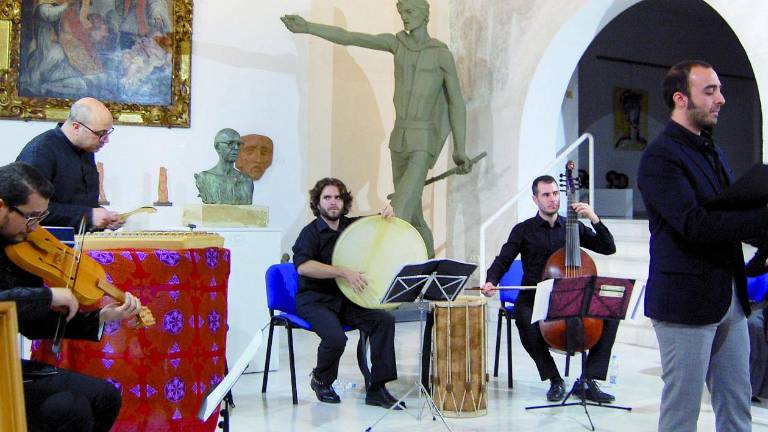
x,y
338,35
457,110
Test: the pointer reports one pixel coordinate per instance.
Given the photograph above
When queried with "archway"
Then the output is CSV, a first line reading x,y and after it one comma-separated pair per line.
x,y
541,117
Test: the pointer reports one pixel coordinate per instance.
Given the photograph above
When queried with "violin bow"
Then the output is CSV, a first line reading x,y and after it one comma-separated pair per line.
x,y
74,267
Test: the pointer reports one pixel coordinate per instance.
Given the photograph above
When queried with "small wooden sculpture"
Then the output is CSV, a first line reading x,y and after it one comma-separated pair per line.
x,y
162,189
102,196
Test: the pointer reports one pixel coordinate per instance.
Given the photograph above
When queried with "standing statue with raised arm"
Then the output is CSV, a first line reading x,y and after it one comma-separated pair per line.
x,y
428,103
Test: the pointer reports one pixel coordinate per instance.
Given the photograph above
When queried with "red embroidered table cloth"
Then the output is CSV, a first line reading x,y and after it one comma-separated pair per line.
x,y
163,371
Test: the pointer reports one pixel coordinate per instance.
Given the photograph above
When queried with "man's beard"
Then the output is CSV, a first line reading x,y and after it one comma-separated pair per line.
x,y
324,213
549,213
700,119
5,238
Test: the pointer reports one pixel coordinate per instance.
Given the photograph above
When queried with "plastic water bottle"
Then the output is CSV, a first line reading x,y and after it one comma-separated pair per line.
x,y
613,370
343,387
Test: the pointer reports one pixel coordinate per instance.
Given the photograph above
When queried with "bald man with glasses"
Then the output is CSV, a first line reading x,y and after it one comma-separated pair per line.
x,y
65,156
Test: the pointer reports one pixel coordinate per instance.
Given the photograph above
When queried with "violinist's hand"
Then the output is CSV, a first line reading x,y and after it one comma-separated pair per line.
x,y
387,211
355,279
586,210
62,300
488,289
117,312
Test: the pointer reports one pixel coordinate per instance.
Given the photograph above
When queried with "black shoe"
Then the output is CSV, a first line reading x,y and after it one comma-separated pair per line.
x,y
392,400
592,391
556,391
381,397
325,392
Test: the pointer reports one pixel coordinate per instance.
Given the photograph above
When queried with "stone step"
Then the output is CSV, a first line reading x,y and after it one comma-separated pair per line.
x,y
627,228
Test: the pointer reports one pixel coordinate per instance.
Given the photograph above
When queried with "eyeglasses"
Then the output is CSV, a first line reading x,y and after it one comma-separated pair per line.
x,y
31,220
101,134
230,143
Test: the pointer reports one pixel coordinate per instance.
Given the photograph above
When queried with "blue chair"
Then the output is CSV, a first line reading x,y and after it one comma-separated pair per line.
x,y
282,285
757,288
512,277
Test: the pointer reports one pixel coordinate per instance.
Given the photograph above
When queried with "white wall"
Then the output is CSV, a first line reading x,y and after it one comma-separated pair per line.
x,y
246,74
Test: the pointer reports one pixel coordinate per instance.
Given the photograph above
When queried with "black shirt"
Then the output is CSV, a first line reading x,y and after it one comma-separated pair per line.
x,y
535,240
72,172
316,242
704,144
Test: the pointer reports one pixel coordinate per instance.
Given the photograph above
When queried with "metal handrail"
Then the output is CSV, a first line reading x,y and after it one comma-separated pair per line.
x,y
586,137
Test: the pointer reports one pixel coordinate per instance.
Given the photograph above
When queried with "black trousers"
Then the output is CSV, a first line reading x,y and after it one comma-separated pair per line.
x,y
69,401
327,313
530,335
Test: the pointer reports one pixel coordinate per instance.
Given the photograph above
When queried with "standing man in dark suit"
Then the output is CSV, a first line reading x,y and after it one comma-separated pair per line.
x,y
65,156
697,290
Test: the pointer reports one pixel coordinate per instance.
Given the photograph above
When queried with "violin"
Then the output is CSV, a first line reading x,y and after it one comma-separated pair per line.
x,y
45,256
568,262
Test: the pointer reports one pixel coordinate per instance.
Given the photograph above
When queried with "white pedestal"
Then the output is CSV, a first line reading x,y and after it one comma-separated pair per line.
x,y
253,250
613,203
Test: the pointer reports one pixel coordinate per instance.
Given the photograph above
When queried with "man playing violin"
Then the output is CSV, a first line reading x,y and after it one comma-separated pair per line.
x,y
65,156
535,240
55,399
321,302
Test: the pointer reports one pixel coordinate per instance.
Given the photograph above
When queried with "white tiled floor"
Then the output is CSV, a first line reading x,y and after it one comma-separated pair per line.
x,y
639,386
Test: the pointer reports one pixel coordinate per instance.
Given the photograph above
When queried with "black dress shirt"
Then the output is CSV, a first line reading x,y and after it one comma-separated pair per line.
x,y
316,242
72,172
706,146
535,240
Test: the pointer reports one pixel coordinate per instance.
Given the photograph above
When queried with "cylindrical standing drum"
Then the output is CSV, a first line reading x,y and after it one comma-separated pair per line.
x,y
459,378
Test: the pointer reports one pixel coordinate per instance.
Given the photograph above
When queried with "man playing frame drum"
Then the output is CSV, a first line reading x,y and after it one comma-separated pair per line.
x,y
320,301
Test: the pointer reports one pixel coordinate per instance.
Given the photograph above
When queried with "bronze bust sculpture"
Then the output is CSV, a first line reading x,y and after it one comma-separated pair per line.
x,y
223,184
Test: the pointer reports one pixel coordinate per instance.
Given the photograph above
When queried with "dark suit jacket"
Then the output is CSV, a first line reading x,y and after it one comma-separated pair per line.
x,y
72,172
695,253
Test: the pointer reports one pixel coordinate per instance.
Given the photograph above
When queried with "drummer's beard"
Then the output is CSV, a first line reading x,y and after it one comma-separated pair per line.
x,y
331,215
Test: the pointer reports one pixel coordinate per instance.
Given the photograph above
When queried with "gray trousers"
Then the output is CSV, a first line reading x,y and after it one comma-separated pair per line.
x,y
717,354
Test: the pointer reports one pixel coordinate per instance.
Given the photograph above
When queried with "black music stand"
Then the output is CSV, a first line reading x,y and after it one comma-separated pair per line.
x,y
586,297
433,280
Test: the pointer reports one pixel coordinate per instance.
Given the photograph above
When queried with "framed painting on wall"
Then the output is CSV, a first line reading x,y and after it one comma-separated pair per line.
x,y
630,119
134,55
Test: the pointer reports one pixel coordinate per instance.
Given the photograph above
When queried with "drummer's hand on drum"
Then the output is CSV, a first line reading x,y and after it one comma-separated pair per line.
x,y
387,211
355,279
488,289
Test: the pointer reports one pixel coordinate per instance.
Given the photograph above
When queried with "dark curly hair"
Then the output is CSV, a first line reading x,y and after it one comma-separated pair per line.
x,y
314,195
19,180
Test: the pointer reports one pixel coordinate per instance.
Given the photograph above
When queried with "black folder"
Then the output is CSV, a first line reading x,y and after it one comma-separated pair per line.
x,y
749,191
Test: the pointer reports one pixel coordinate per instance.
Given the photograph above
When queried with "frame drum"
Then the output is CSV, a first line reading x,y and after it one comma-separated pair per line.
x,y
459,381
378,248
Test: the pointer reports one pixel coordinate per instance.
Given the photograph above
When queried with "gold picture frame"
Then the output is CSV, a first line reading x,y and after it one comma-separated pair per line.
x,y
13,418
142,73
